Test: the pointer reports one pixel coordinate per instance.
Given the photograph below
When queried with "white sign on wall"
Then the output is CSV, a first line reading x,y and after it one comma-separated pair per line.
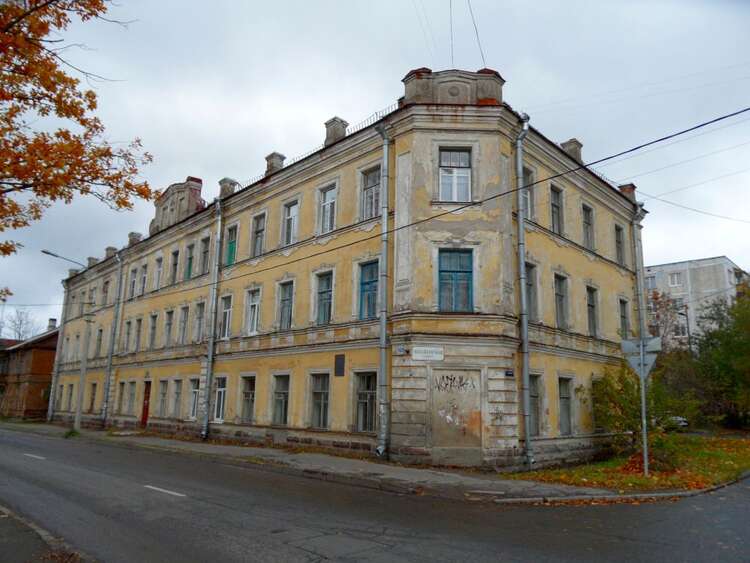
x,y
427,353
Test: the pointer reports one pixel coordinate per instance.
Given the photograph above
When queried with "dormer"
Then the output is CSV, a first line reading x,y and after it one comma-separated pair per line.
x,y
176,203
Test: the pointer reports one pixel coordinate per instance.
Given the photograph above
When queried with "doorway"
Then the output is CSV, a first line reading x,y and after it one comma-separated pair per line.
x,y
146,401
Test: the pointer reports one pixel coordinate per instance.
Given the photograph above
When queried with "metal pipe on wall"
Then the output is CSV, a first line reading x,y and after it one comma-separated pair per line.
x,y
384,405
58,356
214,303
523,309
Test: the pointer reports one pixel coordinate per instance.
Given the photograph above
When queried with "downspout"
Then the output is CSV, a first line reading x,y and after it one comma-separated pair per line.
x,y
112,339
58,356
524,314
213,301
384,403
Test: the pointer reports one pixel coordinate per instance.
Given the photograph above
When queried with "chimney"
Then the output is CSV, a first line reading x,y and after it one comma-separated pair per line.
x,y
91,261
134,238
628,190
274,162
72,272
110,251
51,324
335,130
227,186
573,148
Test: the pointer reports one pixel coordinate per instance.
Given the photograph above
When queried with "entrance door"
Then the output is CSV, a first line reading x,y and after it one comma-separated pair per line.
x,y
456,416
146,400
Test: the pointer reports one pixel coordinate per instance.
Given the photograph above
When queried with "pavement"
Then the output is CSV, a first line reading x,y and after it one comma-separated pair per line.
x,y
127,504
453,484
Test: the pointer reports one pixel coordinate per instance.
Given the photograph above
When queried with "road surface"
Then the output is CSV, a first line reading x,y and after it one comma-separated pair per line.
x,y
128,504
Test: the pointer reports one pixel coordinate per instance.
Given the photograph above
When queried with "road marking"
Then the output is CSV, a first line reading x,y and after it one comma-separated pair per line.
x,y
35,456
164,491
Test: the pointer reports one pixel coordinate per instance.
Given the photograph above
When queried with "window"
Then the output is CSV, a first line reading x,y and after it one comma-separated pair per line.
x,y
152,332
678,303
650,282
131,398
157,274
77,348
144,278
588,227
252,312
455,175
72,305
675,278
591,312
66,349
259,234
531,298
189,261
120,397
248,399
561,301
291,211
679,329
205,248
624,318
231,252
182,335
138,329
371,193
320,400
98,347
325,295
82,302
535,409
175,263
455,280
105,292
194,394
566,427
177,399
92,298
619,245
133,280
226,317
527,193
92,397
286,303
200,315
366,391
168,323
368,290
556,210
163,386
69,402
221,395
328,209
126,337
280,399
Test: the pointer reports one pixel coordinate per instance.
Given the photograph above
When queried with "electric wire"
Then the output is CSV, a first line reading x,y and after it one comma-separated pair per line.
x,y
430,54
476,32
429,27
701,183
450,13
695,210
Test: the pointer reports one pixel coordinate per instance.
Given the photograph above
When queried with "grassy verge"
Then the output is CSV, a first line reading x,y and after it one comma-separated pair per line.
x,y
700,462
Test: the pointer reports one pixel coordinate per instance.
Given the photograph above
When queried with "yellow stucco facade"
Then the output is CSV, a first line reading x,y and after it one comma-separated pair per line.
x,y
256,317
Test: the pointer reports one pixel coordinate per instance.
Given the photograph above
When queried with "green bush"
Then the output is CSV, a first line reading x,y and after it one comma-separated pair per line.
x,y
663,452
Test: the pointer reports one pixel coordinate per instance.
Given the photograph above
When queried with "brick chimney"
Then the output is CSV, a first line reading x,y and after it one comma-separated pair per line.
x,y
335,130
92,261
51,324
628,190
573,148
274,162
110,251
134,238
227,187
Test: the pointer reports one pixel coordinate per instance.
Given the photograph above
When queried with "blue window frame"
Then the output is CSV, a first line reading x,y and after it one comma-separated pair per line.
x,y
456,280
368,290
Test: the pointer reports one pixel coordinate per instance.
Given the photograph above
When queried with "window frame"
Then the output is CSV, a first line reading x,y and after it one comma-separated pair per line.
x,y
281,322
174,267
536,388
532,293
254,329
255,237
678,278
320,398
528,192
319,293
372,287
195,390
455,280
184,322
290,236
620,255
557,227
373,189
244,416
569,381
205,258
225,318
230,248
189,260
624,315
592,310
220,399
367,397
588,227
276,420
327,209
561,308
454,188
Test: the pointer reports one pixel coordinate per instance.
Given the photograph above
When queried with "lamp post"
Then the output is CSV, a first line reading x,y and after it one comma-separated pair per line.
x,y
49,253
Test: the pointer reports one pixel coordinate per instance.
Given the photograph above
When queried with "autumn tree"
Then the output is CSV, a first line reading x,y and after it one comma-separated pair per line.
x,y
52,145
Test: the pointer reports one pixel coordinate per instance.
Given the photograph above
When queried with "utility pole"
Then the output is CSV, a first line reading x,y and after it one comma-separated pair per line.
x,y
88,319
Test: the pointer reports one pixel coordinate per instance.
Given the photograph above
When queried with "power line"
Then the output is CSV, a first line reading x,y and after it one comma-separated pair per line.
x,y
424,32
681,188
429,28
701,211
450,14
476,203
476,32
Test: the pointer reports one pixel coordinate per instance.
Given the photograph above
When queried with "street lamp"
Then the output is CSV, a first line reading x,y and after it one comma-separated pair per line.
x,y
49,253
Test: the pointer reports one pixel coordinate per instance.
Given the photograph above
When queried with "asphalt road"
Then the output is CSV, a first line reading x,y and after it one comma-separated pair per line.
x,y
121,504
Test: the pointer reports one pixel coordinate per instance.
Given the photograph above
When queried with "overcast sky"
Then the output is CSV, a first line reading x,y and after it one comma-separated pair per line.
x,y
211,88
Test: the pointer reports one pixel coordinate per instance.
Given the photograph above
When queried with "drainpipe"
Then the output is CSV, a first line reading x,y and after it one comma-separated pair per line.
x,y
112,339
214,303
524,314
58,356
384,404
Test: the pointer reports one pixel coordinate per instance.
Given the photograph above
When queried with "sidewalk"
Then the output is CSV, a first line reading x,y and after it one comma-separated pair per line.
x,y
21,542
376,475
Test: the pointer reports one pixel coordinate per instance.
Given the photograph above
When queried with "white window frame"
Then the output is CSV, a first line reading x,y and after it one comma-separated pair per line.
x,y
454,174
592,243
677,276
220,399
253,235
528,193
290,236
327,209
363,216
278,303
252,322
195,391
225,320
200,322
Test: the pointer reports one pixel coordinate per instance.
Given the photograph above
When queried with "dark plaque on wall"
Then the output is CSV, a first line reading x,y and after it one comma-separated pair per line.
x,y
339,365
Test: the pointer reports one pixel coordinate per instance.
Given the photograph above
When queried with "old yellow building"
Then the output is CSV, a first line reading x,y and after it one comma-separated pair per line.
x,y
260,316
